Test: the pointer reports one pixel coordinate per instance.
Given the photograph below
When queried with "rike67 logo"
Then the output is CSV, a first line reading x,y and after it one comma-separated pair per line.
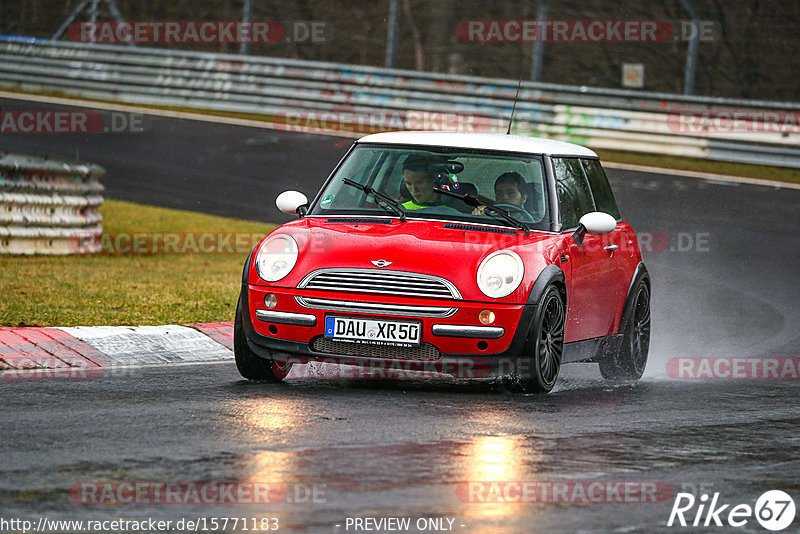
x,y
774,510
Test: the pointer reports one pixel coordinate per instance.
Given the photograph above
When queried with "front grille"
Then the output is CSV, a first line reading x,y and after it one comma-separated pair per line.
x,y
425,352
376,308
380,282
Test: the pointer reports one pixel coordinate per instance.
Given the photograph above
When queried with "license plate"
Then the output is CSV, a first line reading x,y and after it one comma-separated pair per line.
x,y
373,331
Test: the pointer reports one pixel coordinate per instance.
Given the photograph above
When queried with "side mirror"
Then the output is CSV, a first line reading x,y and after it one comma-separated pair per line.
x,y
292,203
594,223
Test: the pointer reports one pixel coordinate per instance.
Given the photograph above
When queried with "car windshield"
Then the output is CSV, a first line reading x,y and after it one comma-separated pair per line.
x,y
388,178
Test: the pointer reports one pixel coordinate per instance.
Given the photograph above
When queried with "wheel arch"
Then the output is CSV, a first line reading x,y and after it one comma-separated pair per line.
x,y
246,269
526,373
550,275
640,273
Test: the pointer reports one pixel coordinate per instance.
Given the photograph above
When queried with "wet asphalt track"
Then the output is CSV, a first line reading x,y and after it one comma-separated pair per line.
x,y
384,448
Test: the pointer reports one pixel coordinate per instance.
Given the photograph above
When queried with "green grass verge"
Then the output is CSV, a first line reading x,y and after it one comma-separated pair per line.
x,y
131,289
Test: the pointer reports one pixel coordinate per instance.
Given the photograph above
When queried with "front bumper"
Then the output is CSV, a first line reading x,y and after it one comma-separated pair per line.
x,y
452,335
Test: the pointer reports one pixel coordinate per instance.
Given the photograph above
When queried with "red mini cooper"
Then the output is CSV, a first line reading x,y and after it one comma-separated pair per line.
x,y
474,255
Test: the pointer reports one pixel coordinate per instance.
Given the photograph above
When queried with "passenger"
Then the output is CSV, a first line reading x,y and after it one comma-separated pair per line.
x,y
509,188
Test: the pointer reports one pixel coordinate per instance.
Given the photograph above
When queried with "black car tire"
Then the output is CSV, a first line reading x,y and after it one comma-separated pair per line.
x,y
631,359
537,367
250,365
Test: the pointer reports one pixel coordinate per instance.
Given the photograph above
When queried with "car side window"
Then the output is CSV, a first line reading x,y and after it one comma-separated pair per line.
x,y
601,190
574,195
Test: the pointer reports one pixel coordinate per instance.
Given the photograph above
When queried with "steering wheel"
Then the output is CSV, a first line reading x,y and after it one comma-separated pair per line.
x,y
514,211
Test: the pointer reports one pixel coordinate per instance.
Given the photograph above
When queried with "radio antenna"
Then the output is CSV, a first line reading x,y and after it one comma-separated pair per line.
x,y
514,107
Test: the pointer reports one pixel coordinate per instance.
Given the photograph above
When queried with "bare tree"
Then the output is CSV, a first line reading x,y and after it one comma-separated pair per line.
x,y
416,36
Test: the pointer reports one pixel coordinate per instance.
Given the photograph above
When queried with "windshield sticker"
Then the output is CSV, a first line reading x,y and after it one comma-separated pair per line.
x,y
325,202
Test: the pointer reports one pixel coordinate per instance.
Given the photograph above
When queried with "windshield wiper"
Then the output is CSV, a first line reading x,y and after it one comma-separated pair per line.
x,y
480,200
381,198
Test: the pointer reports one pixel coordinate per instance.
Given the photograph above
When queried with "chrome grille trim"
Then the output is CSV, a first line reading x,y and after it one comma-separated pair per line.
x,y
299,319
380,282
375,308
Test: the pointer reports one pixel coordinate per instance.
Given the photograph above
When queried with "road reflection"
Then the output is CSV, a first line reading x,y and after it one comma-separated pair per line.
x,y
493,459
268,414
277,469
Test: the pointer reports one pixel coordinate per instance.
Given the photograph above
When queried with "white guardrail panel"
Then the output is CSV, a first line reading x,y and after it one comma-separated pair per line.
x,y
49,206
359,99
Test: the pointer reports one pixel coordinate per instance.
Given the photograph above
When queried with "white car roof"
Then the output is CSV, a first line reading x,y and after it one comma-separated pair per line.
x,y
486,141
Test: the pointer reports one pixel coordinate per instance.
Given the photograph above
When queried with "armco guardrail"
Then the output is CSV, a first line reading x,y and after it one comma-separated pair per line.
x,y
353,100
49,206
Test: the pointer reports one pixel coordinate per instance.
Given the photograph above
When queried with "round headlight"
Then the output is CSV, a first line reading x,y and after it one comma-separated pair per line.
x,y
500,273
276,257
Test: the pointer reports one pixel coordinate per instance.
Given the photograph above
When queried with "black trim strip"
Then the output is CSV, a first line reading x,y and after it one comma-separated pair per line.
x,y
358,220
455,226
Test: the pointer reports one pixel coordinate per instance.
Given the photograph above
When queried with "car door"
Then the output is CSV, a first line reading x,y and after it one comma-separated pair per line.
x,y
597,284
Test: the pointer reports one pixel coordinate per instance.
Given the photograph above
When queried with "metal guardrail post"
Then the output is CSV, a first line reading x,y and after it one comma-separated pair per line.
x,y
247,16
391,33
694,47
537,57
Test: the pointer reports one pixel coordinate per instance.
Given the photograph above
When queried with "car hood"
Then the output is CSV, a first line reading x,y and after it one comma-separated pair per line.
x,y
439,248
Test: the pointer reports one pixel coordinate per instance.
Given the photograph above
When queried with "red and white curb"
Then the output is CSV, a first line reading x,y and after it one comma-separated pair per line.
x,y
90,349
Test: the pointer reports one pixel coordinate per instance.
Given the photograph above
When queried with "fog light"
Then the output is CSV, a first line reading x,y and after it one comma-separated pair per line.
x,y
486,316
270,300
